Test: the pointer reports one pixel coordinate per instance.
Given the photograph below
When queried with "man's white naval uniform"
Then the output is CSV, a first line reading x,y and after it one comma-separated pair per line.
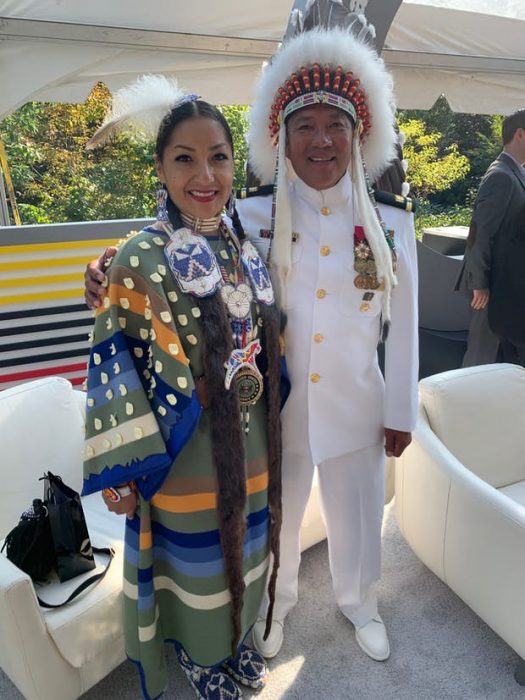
x,y
339,403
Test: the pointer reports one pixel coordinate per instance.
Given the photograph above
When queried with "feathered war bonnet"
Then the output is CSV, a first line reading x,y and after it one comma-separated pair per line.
x,y
337,67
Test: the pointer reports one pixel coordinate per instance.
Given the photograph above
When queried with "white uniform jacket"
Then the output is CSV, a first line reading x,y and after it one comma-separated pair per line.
x,y
339,402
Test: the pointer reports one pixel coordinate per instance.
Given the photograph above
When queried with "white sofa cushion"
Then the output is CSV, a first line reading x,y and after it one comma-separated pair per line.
x,y
41,428
92,621
479,414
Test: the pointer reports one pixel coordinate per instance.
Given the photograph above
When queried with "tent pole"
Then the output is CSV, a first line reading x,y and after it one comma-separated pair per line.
x,y
4,168
4,211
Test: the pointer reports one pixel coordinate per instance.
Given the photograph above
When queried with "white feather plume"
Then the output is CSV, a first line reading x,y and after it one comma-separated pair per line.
x,y
140,107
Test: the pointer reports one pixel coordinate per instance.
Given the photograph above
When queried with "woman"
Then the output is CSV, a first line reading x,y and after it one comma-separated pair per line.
x,y
182,431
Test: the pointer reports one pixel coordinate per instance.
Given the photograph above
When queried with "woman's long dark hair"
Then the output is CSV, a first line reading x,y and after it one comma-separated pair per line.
x,y
226,432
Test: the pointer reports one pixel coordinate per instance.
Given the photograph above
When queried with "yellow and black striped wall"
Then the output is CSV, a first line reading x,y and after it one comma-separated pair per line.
x,y
44,321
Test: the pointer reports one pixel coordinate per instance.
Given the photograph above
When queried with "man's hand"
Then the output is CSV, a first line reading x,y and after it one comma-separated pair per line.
x,y
480,299
95,278
396,441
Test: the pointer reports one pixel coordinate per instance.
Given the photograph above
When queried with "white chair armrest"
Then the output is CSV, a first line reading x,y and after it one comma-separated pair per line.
x,y
483,558
425,474
27,654
455,470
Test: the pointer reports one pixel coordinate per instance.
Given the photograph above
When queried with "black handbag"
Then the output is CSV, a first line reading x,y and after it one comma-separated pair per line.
x,y
53,535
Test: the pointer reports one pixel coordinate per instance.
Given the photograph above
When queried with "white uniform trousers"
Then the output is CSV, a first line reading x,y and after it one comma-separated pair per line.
x,y
352,499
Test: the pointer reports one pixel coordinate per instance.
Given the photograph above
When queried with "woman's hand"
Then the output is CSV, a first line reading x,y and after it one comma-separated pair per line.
x,y
119,504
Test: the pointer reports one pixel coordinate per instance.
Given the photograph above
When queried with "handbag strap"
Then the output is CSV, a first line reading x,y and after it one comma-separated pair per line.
x,y
85,584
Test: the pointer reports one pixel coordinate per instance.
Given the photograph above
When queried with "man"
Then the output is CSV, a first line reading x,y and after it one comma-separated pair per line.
x,y
495,255
339,415
333,264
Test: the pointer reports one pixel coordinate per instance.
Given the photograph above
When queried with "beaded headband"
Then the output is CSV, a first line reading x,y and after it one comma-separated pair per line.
x,y
320,86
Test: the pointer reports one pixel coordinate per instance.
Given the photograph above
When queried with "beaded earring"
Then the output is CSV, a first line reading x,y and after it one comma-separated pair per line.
x,y
162,199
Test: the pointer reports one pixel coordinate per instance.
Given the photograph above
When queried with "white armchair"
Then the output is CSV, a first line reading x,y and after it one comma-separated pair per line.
x,y
60,654
460,492
53,654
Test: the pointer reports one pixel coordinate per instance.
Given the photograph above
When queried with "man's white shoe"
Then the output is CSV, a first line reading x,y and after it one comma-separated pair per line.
x,y
373,640
271,646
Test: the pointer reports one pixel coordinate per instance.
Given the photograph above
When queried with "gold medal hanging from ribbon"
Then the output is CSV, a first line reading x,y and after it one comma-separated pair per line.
x,y
364,263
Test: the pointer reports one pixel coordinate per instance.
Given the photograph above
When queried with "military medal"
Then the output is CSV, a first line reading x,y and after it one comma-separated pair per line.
x,y
365,303
249,385
365,266
241,366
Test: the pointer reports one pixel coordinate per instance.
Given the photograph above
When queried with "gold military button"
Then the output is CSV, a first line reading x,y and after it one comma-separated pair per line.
x,y
320,293
314,377
318,337
325,250
325,211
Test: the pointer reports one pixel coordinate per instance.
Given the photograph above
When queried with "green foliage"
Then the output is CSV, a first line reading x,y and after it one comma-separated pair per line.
x,y
476,136
56,179
431,215
237,118
429,170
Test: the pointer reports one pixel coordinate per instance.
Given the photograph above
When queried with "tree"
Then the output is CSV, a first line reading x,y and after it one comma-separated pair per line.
x,y
477,136
57,180
429,171
237,118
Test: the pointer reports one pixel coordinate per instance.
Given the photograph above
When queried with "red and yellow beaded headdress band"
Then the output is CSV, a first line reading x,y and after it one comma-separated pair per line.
x,y
320,85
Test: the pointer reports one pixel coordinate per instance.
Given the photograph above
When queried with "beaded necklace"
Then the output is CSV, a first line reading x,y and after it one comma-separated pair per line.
x,y
237,296
201,225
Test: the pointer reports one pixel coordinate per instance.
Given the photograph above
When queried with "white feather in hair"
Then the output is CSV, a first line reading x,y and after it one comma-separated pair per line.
x,y
140,107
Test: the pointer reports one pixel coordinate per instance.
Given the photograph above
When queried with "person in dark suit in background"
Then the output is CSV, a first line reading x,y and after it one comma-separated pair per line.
x,y
494,265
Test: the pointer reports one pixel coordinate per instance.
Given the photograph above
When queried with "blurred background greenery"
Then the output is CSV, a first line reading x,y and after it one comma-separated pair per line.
x,y
57,180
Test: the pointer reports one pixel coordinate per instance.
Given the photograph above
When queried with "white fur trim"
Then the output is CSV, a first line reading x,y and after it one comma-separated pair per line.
x,y
374,232
281,255
335,47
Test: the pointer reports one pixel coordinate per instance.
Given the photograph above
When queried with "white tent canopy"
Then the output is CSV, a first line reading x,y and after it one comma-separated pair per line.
x,y
471,50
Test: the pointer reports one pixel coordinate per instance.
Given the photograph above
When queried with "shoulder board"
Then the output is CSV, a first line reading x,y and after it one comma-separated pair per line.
x,y
261,191
395,200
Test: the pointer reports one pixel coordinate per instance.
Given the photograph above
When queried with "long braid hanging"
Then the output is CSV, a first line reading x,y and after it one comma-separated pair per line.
x,y
272,324
237,225
227,443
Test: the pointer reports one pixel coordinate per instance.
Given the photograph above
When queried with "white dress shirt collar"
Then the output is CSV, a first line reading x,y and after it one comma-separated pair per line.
x,y
338,195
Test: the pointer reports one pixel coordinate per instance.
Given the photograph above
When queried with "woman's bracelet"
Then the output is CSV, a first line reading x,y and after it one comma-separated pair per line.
x,y
117,493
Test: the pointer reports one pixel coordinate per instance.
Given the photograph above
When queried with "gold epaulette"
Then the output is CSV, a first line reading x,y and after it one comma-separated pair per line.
x,y
261,191
395,200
